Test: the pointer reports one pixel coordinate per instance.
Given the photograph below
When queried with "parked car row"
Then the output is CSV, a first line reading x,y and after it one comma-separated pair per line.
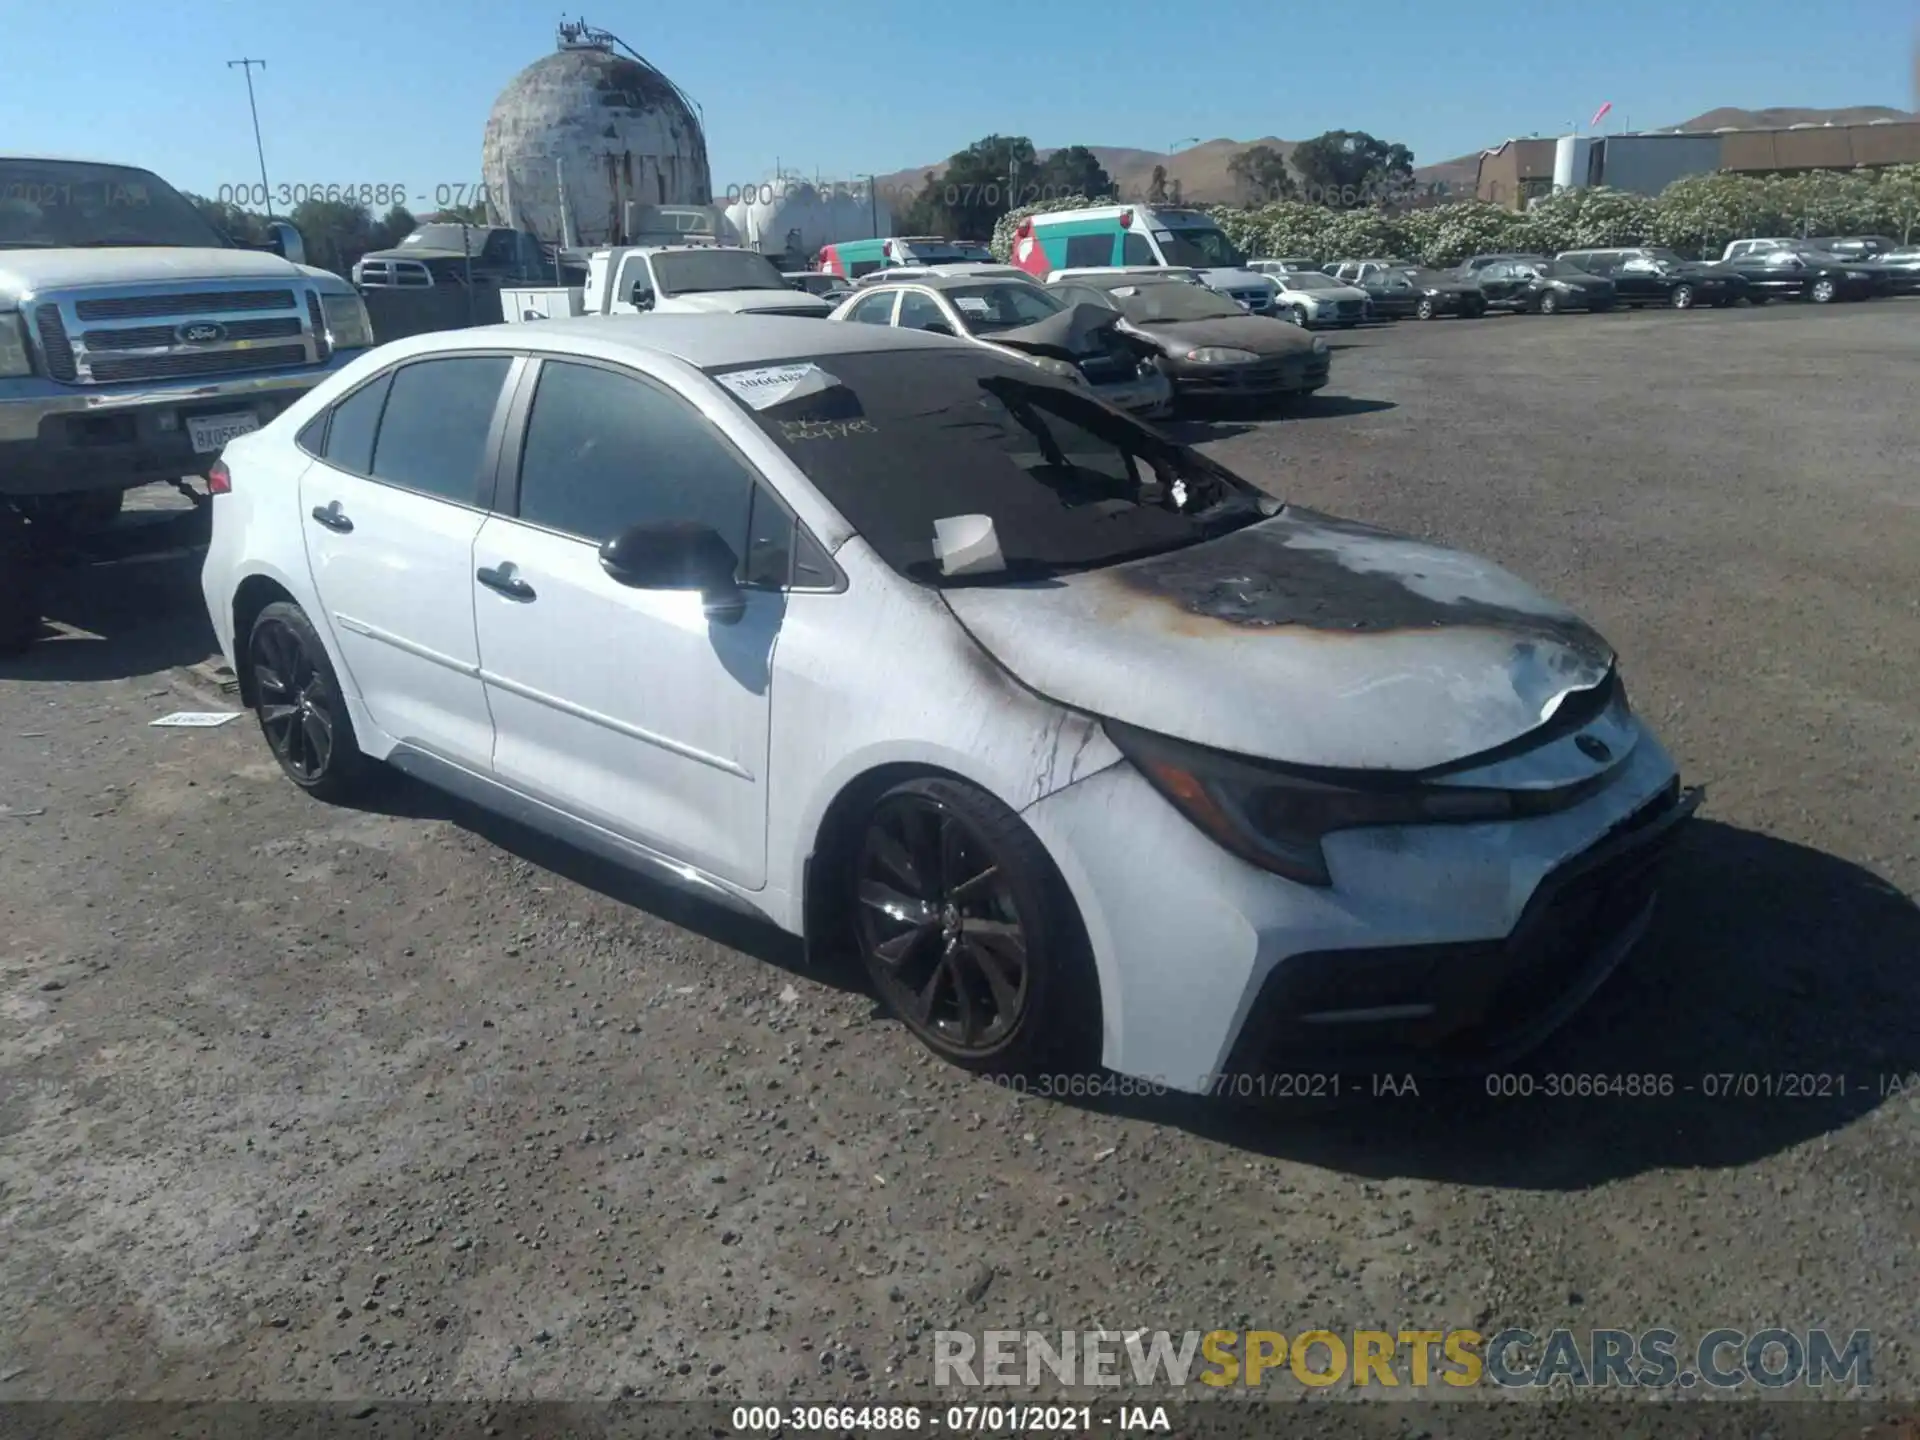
x,y
1751,271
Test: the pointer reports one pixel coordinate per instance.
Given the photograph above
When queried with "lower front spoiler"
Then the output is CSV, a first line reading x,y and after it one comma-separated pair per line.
x,y
1465,1008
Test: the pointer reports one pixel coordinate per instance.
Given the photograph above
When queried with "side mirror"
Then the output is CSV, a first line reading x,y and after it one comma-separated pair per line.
x,y
678,555
642,295
284,241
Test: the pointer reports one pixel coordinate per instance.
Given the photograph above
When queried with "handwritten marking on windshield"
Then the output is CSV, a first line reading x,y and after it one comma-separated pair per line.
x,y
826,429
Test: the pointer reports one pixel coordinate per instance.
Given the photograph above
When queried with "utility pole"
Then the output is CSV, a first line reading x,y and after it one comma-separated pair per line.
x,y
266,190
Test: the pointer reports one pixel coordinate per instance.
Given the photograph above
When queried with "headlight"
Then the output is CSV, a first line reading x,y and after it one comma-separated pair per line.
x,y
14,359
1053,366
1221,355
347,322
1275,819
1319,346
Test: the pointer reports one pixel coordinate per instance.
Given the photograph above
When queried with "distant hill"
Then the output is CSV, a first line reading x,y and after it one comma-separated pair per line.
x,y
1201,170
1204,179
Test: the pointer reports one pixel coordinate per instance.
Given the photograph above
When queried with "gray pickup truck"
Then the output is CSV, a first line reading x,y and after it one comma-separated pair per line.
x,y
135,341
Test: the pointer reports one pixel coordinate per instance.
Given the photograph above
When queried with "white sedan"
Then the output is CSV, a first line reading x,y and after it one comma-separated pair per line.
x,y
1310,298
1091,749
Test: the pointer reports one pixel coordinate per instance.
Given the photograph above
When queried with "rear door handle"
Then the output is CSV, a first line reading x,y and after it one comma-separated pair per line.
x,y
501,578
333,517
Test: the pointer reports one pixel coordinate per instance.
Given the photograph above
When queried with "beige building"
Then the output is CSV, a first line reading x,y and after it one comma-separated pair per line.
x,y
1512,173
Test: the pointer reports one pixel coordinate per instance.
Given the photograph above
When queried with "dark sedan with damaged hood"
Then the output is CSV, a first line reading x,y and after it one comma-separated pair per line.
x,y
1093,751
1207,343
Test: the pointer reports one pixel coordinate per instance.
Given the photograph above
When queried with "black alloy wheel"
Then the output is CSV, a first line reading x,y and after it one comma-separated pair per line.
x,y
300,708
966,930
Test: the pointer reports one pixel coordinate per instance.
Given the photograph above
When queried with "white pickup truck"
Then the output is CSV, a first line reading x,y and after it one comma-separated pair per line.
x,y
669,280
135,340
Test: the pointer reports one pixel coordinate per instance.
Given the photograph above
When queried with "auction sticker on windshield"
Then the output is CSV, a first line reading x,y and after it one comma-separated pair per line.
x,y
772,385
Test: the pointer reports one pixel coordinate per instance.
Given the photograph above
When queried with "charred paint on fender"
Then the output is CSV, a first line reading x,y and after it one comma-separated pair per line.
x,y
1301,639
1302,569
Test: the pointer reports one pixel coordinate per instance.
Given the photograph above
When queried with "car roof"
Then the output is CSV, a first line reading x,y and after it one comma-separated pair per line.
x,y
1112,278
706,341
941,279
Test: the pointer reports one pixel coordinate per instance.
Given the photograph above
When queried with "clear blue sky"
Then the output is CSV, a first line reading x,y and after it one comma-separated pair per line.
x,y
397,91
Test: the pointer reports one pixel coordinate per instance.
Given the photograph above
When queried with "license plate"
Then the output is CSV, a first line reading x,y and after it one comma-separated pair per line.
x,y
210,432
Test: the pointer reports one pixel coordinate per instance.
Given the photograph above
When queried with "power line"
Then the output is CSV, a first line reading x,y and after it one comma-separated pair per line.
x,y
246,66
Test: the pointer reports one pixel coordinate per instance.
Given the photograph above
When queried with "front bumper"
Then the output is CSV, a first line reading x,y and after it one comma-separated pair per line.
x,y
1207,964
1283,375
1148,394
1462,1007
56,439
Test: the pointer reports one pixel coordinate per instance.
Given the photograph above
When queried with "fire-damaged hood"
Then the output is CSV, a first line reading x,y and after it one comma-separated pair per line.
x,y
1301,639
1065,335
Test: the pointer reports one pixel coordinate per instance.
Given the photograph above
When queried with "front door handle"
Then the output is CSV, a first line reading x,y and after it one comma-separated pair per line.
x,y
501,578
333,517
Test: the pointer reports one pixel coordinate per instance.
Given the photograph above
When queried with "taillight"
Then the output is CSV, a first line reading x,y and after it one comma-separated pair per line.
x,y
219,479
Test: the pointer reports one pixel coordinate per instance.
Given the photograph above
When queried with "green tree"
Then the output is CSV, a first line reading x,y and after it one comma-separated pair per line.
x,y
1346,169
977,189
1263,175
1076,170
1897,202
242,226
392,228
336,232
474,214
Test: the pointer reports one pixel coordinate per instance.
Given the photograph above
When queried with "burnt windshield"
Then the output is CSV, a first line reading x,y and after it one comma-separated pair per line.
x,y
57,204
898,439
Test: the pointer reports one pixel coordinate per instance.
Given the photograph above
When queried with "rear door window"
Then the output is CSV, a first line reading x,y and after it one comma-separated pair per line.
x,y
355,420
1137,250
433,432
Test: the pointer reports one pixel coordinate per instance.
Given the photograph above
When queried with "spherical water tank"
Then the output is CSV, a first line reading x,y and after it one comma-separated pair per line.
x,y
597,132
793,219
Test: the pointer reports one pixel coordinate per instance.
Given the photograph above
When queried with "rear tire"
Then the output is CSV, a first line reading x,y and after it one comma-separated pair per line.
x,y
969,934
301,710
1426,309
1549,304
1823,292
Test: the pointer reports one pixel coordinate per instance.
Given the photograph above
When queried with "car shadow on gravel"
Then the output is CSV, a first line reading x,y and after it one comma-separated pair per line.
x,y
407,798
120,604
1778,993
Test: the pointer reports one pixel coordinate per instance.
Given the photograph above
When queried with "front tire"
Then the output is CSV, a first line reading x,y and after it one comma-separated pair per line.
x,y
301,710
968,933
1822,292
1549,304
1300,317
1681,297
1426,309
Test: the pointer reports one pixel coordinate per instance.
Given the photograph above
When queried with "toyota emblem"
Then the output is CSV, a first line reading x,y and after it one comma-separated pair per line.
x,y
1594,748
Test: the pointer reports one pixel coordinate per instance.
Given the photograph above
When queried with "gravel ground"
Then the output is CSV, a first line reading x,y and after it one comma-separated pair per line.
x,y
303,1102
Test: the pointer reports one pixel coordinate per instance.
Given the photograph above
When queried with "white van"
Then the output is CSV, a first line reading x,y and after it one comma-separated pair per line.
x,y
1110,236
